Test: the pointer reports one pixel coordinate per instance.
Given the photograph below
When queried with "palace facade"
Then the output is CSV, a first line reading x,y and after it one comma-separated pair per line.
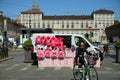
x,y
93,24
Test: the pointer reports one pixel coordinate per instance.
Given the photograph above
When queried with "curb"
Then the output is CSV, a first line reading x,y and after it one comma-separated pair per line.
x,y
1,60
16,51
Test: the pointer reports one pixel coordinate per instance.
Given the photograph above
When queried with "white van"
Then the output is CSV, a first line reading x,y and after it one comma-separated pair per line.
x,y
69,40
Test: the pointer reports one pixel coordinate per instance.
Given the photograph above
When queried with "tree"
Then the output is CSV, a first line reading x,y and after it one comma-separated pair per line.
x,y
117,44
116,21
27,45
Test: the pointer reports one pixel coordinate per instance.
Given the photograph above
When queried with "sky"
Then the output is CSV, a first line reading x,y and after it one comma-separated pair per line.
x,y
13,8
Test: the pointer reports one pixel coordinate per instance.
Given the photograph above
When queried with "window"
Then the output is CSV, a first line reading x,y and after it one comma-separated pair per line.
x,y
66,40
23,36
51,25
80,39
67,25
43,25
72,26
39,25
62,25
34,25
48,25
86,25
95,25
81,25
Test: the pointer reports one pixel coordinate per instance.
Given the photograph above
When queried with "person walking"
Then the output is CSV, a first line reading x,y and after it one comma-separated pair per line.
x,y
105,50
1,43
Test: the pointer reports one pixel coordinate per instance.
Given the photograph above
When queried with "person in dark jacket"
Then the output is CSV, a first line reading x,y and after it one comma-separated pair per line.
x,y
105,50
79,58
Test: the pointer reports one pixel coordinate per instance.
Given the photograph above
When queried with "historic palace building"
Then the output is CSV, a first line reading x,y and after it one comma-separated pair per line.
x,y
93,24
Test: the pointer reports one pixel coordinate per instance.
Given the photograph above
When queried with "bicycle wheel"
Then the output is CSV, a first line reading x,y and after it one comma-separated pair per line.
x,y
93,75
76,73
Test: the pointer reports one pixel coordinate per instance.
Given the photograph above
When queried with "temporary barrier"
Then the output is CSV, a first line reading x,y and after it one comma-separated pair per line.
x,y
47,53
54,54
61,55
66,62
40,54
58,50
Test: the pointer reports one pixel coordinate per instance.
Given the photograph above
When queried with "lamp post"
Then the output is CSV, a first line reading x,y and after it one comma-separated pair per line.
x,y
5,39
29,30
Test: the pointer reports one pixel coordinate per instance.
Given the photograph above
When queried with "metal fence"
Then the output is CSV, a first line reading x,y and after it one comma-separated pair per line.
x,y
3,53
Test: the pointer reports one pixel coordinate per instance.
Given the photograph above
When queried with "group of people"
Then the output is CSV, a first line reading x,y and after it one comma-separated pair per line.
x,y
6,45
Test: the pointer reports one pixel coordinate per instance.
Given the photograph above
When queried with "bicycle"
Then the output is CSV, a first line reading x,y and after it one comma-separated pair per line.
x,y
87,72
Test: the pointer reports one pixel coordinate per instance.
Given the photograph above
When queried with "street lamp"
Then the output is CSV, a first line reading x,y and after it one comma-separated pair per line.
x,y
5,39
29,31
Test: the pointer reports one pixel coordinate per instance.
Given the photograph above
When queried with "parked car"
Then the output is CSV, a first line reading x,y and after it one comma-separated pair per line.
x,y
98,44
111,46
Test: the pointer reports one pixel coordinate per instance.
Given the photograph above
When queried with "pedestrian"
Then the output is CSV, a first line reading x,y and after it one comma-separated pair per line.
x,y
1,43
105,50
1,46
73,48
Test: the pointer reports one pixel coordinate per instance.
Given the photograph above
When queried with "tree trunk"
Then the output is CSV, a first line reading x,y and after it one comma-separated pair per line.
x,y
117,55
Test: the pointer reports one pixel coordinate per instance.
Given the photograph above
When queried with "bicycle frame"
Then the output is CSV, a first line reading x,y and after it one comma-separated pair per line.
x,y
86,70
86,74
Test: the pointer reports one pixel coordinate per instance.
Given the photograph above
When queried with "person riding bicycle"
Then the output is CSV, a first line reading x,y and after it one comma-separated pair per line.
x,y
79,58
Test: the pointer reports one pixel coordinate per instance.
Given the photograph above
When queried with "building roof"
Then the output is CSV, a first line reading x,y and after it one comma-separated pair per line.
x,y
35,9
103,11
66,17
32,11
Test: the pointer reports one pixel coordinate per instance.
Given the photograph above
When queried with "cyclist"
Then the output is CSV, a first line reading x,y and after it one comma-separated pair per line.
x,y
79,58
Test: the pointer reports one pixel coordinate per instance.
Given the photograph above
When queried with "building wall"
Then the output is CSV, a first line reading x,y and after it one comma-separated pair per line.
x,y
12,28
98,24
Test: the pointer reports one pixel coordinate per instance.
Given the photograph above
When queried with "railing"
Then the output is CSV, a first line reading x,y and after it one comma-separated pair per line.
x,y
3,53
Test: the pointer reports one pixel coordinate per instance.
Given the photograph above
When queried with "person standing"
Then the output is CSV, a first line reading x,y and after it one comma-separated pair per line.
x,y
1,43
105,50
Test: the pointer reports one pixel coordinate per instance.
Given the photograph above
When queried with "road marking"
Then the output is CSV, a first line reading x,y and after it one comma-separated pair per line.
x,y
29,65
108,68
116,64
3,65
42,68
15,65
57,68
25,68
109,72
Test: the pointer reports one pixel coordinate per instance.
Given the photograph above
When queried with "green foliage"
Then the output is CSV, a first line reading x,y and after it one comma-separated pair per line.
x,y
27,45
90,40
116,22
86,35
117,44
